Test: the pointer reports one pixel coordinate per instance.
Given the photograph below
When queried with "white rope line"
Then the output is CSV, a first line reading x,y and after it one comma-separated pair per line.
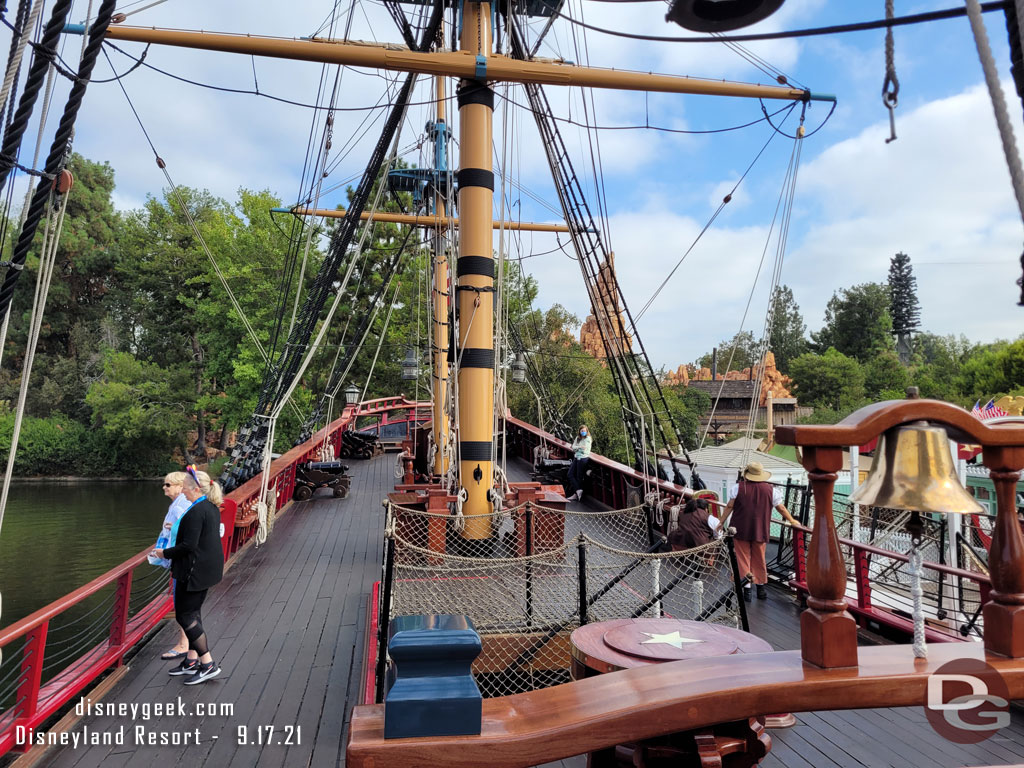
x,y
47,98
380,341
144,8
995,92
48,257
917,593
19,52
326,324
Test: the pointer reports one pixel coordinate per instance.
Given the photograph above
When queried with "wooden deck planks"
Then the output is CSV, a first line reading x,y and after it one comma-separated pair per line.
x,y
285,625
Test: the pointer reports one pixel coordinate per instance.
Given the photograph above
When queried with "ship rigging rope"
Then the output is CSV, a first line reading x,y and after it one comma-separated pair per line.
x,y
37,73
383,333
995,92
776,277
21,36
47,259
30,190
725,201
862,26
743,320
59,148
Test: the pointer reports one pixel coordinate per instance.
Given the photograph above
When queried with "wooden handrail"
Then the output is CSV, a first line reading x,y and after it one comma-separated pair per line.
x,y
635,704
865,424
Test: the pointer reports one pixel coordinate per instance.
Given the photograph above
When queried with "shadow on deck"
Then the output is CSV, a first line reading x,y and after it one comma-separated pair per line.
x,y
287,627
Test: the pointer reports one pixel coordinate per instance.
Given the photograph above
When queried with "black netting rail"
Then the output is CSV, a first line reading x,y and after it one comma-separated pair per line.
x,y
542,573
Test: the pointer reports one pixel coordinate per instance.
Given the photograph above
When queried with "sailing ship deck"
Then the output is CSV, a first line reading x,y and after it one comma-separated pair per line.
x,y
287,626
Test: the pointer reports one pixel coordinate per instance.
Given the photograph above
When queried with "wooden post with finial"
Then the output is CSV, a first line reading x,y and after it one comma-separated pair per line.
x,y
828,633
1004,613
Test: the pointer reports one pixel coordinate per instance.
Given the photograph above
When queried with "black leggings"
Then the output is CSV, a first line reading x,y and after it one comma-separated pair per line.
x,y
187,606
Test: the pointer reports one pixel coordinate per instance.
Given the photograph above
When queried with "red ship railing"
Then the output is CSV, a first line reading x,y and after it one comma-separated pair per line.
x,y
70,643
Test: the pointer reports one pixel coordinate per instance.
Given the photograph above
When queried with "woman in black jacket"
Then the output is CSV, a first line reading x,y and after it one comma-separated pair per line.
x,y
197,563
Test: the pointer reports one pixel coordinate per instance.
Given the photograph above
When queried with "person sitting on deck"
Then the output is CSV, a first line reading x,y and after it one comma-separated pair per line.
x,y
696,526
581,457
749,511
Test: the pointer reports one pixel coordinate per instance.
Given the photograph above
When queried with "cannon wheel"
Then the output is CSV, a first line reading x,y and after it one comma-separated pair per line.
x,y
302,492
340,492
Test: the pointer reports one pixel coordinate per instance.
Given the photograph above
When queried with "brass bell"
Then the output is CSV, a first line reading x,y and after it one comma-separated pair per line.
x,y
720,15
913,469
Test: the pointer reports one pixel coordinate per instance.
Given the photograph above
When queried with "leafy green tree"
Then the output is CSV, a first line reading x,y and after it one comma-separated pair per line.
x,y
857,322
143,410
830,380
788,334
742,349
885,377
75,322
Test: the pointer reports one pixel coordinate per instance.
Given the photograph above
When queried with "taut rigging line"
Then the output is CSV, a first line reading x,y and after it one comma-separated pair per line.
x,y
279,380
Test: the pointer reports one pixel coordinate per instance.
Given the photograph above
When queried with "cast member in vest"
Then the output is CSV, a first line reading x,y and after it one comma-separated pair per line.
x,y
197,563
694,527
749,511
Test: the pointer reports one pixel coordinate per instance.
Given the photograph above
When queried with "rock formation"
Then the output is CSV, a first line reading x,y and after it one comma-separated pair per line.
x,y
773,380
610,316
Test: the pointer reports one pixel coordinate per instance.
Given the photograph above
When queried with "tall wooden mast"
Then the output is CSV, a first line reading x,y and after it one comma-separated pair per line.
x,y
475,269
441,296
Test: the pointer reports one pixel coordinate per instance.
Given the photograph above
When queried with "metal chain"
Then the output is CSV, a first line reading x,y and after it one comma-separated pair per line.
x,y
891,84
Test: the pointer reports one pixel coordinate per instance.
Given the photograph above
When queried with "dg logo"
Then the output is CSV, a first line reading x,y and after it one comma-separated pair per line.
x,y
968,701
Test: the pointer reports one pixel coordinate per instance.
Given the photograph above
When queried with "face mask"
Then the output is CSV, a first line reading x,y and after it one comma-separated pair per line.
x,y
583,433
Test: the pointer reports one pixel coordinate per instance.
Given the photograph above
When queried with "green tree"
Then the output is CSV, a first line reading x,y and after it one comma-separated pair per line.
x,y
143,410
857,322
903,304
788,334
68,354
885,377
830,380
741,349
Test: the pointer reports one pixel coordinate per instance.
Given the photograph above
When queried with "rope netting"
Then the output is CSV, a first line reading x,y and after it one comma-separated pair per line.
x,y
541,574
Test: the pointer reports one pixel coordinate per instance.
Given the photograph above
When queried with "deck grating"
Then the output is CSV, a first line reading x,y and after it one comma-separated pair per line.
x,y
287,626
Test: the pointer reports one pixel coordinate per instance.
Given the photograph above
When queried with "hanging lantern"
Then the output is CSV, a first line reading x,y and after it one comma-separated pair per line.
x,y
410,366
913,470
352,395
720,15
519,368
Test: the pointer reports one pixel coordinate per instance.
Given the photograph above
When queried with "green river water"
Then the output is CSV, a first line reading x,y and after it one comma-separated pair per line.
x,y
58,536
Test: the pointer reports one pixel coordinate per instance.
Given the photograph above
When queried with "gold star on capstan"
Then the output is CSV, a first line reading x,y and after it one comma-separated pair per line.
x,y
672,638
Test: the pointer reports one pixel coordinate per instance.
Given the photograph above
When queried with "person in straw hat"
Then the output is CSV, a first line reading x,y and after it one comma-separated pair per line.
x,y
749,511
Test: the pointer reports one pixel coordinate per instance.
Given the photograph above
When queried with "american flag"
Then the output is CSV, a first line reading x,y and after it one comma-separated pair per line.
x,y
990,411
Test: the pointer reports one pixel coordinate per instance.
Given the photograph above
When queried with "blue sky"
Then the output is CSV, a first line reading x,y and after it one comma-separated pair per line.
x,y
941,192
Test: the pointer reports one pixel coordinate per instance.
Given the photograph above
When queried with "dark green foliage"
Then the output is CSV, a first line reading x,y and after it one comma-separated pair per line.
x,y
857,322
831,380
741,350
903,305
788,335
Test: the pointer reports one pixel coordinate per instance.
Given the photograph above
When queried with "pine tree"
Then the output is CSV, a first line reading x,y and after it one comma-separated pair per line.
x,y
904,307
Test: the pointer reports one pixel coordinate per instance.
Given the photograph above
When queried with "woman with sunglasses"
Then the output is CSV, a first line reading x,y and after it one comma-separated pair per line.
x,y
197,563
172,490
